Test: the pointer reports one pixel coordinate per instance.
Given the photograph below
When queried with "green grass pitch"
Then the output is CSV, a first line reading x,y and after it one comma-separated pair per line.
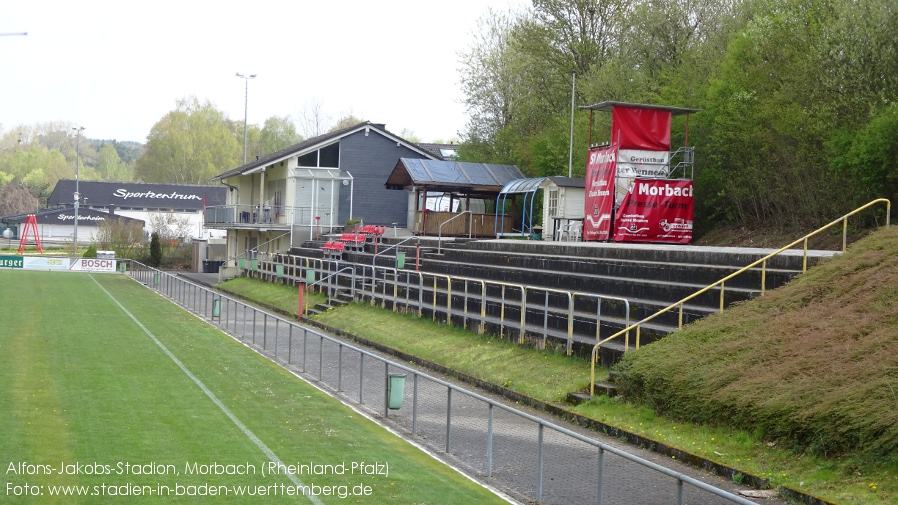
x,y
91,405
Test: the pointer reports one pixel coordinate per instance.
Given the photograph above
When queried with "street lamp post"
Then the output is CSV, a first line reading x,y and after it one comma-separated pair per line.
x,y
78,130
246,79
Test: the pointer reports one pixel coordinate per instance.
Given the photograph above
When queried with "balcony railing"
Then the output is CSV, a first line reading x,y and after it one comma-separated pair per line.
x,y
275,217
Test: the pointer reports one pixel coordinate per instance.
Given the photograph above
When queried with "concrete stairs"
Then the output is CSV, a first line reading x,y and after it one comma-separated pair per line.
x,y
650,276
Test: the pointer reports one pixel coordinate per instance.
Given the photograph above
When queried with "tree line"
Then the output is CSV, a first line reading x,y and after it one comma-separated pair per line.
x,y
188,145
798,120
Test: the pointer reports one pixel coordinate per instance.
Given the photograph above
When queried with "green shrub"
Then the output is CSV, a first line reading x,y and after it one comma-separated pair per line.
x,y
155,250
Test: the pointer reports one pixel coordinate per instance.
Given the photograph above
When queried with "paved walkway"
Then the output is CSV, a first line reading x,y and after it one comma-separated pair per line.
x,y
570,467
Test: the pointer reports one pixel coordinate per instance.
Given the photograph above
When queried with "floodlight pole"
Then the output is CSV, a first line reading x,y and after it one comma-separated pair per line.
x,y
246,78
78,130
570,161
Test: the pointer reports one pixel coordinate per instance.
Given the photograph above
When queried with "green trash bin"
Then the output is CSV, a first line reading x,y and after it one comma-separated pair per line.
x,y
216,307
122,267
396,390
254,265
279,270
400,260
310,276
156,279
241,263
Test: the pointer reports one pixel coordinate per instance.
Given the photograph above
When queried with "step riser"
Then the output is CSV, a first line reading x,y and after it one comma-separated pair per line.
x,y
679,273
648,253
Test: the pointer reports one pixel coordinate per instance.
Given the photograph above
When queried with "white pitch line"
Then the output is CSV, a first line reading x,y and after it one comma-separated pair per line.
x,y
246,431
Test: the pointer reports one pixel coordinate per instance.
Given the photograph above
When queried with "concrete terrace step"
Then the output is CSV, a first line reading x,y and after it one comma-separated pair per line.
x,y
669,253
693,273
663,292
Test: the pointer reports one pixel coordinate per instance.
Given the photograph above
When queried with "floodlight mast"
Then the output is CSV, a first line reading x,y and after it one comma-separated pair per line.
x,y
78,130
246,78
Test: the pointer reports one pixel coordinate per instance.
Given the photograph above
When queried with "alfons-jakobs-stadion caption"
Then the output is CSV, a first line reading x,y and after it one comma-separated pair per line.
x,y
195,468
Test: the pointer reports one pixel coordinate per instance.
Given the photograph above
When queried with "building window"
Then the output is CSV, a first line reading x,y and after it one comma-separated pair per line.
x,y
553,203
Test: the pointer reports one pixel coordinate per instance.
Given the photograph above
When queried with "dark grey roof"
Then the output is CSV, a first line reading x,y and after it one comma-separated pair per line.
x,y
138,195
569,182
607,106
441,151
315,141
67,216
451,175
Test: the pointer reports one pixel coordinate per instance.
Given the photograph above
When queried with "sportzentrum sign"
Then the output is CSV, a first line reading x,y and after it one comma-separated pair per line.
x,y
124,194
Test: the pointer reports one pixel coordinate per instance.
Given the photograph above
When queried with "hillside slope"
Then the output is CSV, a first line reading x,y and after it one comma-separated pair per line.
x,y
813,364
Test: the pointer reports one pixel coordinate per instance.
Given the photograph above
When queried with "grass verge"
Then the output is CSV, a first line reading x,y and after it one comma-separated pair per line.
x,y
284,298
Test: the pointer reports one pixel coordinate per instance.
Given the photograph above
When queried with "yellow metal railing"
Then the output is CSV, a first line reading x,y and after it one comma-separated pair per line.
x,y
721,282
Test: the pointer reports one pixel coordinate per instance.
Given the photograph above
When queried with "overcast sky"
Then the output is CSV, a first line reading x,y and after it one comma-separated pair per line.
x,y
116,67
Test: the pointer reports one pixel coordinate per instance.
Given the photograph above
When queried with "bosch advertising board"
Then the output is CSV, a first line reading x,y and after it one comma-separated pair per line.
x,y
92,265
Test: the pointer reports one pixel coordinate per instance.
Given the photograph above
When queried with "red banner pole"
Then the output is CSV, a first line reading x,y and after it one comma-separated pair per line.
x,y
301,312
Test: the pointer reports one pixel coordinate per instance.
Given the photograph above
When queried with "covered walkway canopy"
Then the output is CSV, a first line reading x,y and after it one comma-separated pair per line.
x,y
526,187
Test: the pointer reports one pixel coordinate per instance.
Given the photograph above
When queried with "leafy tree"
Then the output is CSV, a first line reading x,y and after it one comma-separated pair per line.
x,y
16,198
490,82
169,226
278,133
410,135
775,110
128,151
189,145
38,168
871,156
123,238
345,122
110,166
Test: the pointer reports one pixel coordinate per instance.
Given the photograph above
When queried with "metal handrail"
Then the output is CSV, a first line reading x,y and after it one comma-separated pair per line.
x,y
329,284
599,299
374,257
440,229
763,262
256,249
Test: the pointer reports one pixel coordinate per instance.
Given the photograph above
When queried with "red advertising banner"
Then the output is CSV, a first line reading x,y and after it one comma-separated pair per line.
x,y
599,199
645,129
656,210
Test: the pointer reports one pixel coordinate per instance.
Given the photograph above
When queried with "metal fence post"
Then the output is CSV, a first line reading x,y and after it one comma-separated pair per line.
x,y
289,344
321,358
448,417
386,389
539,464
601,475
414,404
489,443
340,366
